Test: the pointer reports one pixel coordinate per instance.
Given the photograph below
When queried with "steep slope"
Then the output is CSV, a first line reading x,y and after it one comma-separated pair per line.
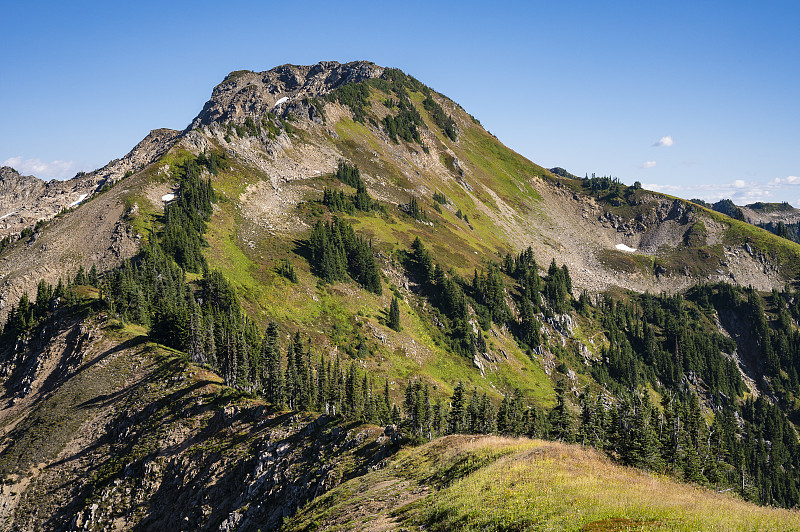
x,y
511,203
105,429
108,430
87,220
25,200
280,157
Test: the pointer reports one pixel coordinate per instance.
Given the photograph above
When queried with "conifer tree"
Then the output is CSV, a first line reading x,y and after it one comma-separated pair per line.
x,y
561,419
457,417
272,366
394,315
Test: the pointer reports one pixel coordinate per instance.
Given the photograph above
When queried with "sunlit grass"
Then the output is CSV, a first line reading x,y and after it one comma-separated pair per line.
x,y
493,483
551,486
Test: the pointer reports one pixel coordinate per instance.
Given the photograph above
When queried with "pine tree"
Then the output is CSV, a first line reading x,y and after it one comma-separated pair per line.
x,y
457,416
561,419
394,315
93,279
290,378
352,402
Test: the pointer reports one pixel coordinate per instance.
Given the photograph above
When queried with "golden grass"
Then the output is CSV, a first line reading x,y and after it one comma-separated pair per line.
x,y
536,485
493,483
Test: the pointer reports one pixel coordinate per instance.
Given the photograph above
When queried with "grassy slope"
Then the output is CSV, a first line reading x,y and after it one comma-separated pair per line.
x,y
489,483
337,314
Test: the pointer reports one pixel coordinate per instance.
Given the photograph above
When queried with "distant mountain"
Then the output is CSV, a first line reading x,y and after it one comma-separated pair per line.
x,y
778,218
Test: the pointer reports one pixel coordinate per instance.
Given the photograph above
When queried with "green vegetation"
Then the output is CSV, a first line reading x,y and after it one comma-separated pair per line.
x,y
443,120
770,207
414,210
286,269
353,95
404,124
646,379
393,316
338,201
526,485
336,251
185,218
726,206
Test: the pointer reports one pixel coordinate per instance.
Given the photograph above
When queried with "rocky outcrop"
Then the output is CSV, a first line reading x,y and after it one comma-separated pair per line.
x,y
245,93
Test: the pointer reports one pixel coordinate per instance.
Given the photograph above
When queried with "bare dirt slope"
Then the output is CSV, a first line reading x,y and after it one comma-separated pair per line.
x,y
92,232
514,203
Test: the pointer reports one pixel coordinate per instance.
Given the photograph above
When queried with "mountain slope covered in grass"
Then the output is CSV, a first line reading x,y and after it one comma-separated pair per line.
x,y
491,483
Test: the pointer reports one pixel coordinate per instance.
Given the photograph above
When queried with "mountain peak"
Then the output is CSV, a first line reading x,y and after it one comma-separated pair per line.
x,y
245,92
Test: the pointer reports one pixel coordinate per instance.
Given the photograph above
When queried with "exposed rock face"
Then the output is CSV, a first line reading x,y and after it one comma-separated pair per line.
x,y
279,165
788,215
24,200
246,93
153,146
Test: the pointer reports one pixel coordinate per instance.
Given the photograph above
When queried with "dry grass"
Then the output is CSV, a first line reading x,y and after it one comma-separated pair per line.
x,y
537,485
493,483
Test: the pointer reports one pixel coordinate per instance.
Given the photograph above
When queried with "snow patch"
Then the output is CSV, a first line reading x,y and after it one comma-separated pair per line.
x,y
623,247
78,202
280,101
7,215
168,197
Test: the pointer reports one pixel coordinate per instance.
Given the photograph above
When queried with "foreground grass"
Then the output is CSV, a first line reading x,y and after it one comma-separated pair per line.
x,y
491,483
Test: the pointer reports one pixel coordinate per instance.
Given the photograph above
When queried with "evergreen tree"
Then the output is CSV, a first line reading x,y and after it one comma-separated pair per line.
x,y
394,315
457,417
561,420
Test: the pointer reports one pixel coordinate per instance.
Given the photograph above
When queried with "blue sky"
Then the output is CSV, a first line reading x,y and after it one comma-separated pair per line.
x,y
697,99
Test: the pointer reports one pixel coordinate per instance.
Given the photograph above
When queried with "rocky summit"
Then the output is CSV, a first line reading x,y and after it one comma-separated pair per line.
x,y
335,301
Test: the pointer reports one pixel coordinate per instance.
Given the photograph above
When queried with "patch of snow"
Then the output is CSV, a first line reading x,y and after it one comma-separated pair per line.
x,y
7,215
280,101
80,199
623,247
168,197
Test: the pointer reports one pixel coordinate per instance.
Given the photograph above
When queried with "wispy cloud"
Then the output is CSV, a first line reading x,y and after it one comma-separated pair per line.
x,y
647,164
42,169
788,180
740,191
664,142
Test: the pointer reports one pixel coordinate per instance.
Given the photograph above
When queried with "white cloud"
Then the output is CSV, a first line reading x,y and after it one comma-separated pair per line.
x,y
647,164
664,142
42,169
788,180
739,183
